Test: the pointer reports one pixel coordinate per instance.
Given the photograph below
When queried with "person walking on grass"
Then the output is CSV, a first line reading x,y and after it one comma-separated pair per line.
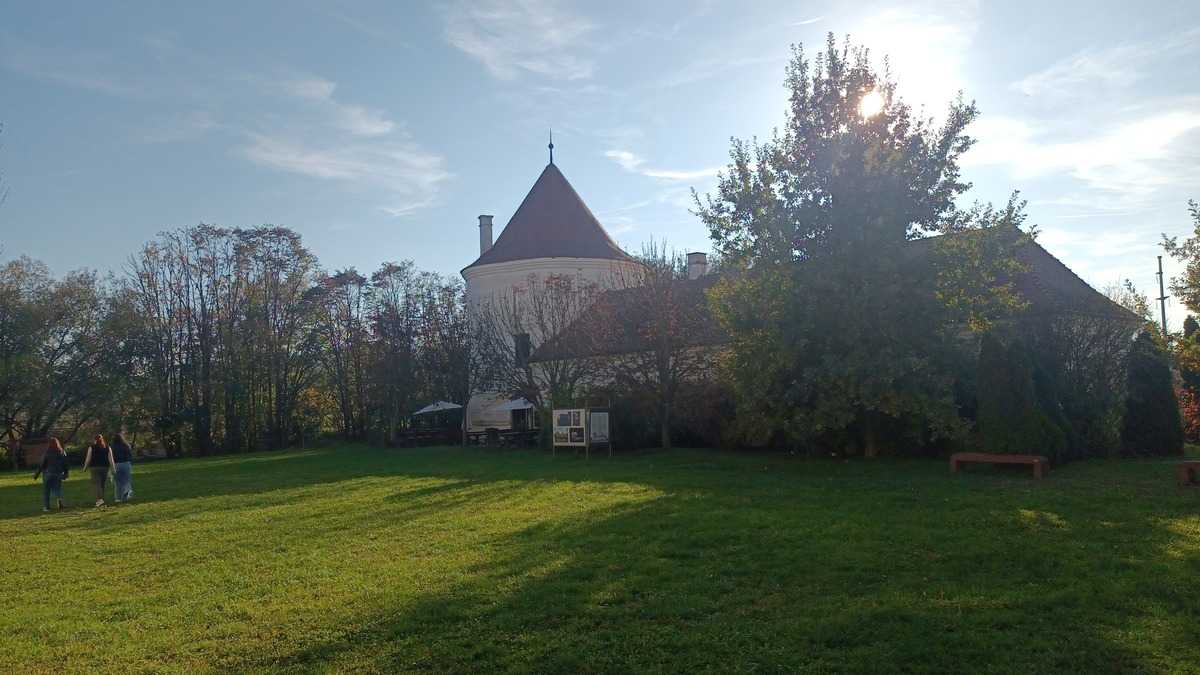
x,y
100,459
53,471
123,475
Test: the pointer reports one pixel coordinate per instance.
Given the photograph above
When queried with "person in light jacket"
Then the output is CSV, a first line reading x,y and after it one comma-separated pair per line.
x,y
99,459
53,471
122,454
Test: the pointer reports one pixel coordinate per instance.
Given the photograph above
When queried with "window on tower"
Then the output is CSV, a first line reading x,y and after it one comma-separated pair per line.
x,y
523,348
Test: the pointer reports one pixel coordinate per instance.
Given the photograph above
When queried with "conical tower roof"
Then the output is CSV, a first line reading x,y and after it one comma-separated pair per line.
x,y
552,222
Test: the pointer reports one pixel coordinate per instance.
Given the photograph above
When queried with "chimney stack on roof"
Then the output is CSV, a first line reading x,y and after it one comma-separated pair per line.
x,y
697,265
485,234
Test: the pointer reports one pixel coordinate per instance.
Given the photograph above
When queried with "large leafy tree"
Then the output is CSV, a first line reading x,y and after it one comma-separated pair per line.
x,y
836,329
54,350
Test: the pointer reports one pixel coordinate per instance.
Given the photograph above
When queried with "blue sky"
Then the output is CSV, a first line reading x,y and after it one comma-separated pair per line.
x,y
380,130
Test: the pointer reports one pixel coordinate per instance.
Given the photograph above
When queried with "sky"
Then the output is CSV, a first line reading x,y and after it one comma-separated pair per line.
x,y
381,130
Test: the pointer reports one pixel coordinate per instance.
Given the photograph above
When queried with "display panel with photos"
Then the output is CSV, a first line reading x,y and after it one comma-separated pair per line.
x,y
569,427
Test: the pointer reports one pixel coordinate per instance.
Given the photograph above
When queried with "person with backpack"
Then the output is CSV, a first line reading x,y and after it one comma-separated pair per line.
x,y
122,454
100,459
53,470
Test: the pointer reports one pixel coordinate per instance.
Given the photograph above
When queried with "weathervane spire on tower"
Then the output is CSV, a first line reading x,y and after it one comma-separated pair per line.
x,y
551,146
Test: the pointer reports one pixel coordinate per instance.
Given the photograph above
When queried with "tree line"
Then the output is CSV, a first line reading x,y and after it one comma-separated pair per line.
x,y
226,340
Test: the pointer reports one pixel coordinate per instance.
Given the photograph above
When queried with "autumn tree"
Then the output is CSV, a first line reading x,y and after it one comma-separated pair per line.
x,y
23,285
53,349
1186,286
650,332
447,357
510,326
227,334
396,324
1125,294
342,302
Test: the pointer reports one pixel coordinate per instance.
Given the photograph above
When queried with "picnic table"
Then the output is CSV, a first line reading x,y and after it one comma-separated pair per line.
x,y
509,438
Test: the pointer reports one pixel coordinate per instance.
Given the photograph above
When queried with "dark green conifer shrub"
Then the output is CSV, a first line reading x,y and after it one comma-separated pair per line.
x,y
1152,424
1010,417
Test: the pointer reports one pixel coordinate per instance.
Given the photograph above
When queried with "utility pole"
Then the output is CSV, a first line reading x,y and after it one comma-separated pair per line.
x,y
1162,298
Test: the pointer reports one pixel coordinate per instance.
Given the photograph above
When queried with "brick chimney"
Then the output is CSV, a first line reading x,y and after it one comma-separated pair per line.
x,y
697,265
485,234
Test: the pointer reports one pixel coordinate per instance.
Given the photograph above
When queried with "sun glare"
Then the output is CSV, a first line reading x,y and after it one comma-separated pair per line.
x,y
871,104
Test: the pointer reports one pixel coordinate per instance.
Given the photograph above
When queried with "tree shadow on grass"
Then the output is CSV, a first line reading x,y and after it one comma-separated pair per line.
x,y
264,473
672,585
268,475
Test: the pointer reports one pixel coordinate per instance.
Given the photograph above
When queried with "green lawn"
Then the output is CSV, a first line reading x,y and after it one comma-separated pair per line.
x,y
449,560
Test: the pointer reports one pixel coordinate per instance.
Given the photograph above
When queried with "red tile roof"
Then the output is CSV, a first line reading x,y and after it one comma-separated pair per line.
x,y
552,222
1047,285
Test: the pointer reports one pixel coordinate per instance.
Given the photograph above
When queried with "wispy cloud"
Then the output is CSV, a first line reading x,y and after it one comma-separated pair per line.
x,y
359,146
411,174
1098,244
1127,161
699,70
537,37
311,88
369,28
635,164
1115,66
356,119
81,69
183,127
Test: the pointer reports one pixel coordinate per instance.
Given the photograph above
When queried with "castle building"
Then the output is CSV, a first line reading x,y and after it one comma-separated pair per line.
x,y
554,233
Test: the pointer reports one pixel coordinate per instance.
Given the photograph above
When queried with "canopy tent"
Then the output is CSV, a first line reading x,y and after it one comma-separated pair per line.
x,y
437,406
515,404
498,411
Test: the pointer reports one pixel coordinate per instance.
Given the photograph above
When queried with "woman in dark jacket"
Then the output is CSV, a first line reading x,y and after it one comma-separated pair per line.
x,y
123,475
100,459
53,471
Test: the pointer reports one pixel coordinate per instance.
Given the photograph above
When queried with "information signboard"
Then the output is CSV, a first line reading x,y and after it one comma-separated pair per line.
x,y
569,427
598,427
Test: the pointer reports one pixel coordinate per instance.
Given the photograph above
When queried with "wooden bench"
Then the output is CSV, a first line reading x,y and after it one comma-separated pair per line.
x,y
1040,464
1188,471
